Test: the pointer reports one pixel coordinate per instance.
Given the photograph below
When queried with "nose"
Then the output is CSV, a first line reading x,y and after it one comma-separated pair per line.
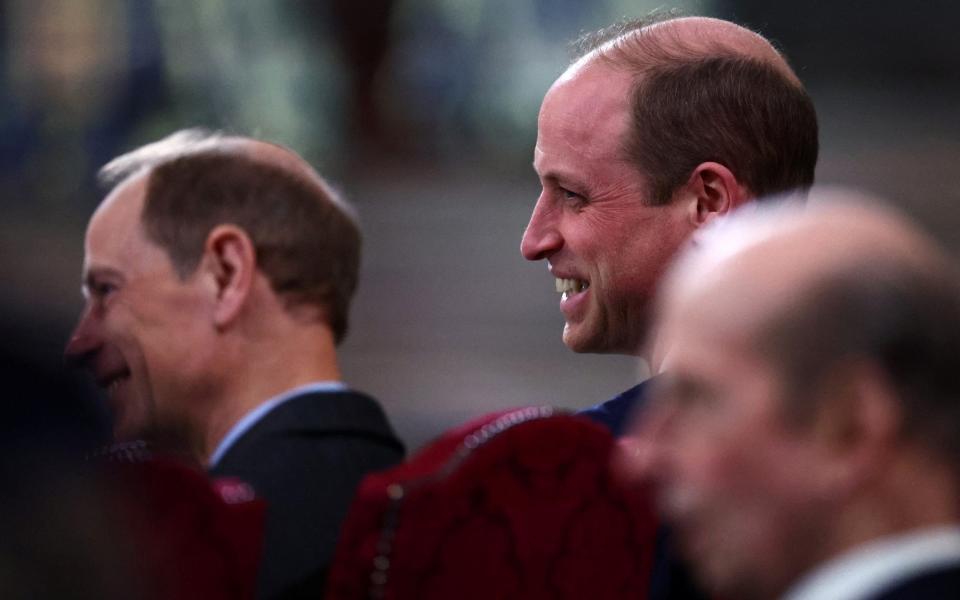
x,y
541,238
84,342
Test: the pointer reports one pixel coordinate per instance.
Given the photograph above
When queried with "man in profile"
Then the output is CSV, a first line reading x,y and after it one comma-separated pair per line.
x,y
655,130
659,127
805,437
218,274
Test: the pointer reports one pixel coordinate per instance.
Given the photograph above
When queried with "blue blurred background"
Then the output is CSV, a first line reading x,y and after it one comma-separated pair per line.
x,y
424,113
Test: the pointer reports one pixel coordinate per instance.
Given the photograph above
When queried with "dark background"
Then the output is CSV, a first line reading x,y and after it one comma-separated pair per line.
x,y
424,113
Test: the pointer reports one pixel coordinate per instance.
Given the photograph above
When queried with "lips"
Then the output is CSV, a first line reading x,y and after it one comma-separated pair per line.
x,y
573,300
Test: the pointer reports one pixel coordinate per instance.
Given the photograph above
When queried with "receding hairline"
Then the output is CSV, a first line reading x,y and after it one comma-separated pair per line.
x,y
822,243
653,42
199,142
196,143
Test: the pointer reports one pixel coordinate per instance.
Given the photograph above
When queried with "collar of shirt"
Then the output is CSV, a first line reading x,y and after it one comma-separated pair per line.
x,y
871,568
253,417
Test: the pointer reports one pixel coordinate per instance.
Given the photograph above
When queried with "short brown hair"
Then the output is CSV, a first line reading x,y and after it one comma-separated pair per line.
x,y
691,106
306,240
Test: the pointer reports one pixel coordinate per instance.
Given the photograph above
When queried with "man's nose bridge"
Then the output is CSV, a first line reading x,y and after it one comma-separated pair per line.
x,y
538,228
539,215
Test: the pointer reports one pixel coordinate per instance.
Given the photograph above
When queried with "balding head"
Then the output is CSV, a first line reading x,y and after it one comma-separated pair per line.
x,y
642,45
306,237
809,399
705,89
841,281
819,244
195,142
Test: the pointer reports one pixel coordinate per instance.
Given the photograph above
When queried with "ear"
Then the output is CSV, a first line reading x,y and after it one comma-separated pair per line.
x,y
711,191
857,424
229,260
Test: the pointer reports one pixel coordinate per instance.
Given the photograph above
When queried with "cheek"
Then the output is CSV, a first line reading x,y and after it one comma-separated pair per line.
x,y
727,470
636,264
717,476
762,494
122,334
167,320
159,336
174,352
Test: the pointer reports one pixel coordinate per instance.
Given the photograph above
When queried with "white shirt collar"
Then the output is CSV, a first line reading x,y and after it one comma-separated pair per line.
x,y
253,417
871,568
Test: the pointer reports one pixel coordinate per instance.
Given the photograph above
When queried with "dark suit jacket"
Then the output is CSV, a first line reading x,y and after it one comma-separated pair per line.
x,y
615,414
670,578
306,458
935,584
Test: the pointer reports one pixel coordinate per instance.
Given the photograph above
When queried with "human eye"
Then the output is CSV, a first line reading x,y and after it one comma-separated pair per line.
x,y
99,290
105,289
571,197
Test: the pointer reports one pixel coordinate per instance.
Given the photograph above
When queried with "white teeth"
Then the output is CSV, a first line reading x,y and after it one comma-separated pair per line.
x,y
571,286
113,385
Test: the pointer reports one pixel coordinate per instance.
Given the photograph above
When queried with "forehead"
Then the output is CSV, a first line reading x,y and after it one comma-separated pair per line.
x,y
712,355
114,234
720,307
121,206
586,111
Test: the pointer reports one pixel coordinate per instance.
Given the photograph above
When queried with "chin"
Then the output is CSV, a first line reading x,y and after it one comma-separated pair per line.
x,y
127,432
579,343
587,347
583,342
132,422
728,585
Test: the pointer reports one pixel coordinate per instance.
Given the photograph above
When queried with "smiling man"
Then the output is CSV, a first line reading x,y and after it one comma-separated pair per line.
x,y
805,439
218,274
657,128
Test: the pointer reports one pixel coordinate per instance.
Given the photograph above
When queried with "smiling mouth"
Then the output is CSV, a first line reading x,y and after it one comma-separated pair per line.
x,y
112,383
569,287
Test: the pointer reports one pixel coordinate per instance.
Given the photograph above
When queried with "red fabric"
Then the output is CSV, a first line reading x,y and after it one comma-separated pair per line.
x,y
193,539
535,512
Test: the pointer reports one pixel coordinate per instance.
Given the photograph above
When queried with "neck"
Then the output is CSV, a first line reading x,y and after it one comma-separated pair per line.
x,y
261,371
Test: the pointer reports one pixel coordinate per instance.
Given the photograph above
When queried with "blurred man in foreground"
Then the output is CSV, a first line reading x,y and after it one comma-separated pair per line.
x,y
218,274
654,131
806,432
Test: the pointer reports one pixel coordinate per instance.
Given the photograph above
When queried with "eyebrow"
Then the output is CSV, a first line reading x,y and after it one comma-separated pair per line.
x,y
561,177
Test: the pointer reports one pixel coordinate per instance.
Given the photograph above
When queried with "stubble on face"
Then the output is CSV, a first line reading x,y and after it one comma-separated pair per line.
x,y
592,221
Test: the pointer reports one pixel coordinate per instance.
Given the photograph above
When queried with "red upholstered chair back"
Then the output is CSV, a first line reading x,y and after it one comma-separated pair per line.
x,y
517,504
193,539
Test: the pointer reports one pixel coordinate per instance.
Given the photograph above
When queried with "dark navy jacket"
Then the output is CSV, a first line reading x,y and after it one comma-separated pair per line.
x,y
670,579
